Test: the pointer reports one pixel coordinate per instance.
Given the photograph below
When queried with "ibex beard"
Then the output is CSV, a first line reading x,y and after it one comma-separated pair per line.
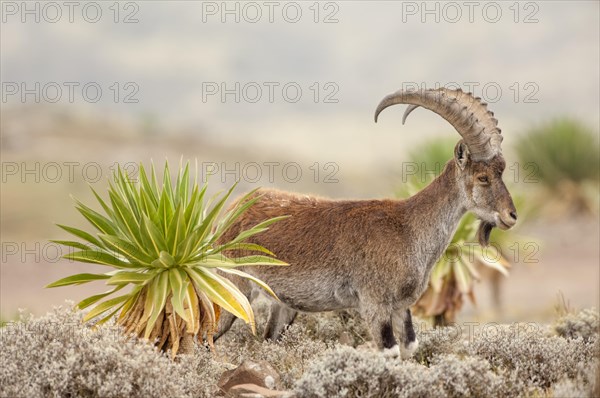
x,y
376,256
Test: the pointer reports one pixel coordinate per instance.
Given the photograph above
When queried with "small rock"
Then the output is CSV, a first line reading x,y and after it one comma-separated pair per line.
x,y
254,391
259,373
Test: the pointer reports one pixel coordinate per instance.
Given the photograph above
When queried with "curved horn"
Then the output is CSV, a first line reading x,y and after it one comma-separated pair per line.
x,y
467,114
406,113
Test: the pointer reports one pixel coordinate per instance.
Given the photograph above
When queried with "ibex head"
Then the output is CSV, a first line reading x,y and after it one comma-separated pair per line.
x,y
478,155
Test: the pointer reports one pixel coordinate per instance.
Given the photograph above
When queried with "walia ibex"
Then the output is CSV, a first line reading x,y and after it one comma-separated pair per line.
x,y
376,255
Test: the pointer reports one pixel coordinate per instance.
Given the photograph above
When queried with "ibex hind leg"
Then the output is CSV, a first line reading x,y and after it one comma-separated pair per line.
x,y
280,318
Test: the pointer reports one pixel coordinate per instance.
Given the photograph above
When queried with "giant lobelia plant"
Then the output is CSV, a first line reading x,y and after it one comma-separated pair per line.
x,y
160,240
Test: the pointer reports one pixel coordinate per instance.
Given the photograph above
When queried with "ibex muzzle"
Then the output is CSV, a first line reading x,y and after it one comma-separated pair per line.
x,y
376,255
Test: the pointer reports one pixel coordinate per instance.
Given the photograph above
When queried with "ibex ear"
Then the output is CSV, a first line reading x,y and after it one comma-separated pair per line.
x,y
461,154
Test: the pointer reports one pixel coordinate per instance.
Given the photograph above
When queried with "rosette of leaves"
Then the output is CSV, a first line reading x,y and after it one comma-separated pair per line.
x,y
160,241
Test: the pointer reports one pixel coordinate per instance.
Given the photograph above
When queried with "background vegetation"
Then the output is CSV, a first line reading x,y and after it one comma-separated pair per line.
x,y
563,156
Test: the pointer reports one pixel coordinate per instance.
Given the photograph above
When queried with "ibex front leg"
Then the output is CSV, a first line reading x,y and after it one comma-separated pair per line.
x,y
404,325
379,319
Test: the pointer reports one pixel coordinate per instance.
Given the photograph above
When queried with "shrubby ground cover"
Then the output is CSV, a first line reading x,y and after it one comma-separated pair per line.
x,y
57,356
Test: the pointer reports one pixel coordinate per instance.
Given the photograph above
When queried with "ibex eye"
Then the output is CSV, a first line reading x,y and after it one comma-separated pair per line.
x,y
482,179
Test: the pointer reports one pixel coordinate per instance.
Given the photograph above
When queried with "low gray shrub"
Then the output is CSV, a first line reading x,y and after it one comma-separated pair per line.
x,y
586,384
346,372
536,357
434,342
56,356
584,324
469,376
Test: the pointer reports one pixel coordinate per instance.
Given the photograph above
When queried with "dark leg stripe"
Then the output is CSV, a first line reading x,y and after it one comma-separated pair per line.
x,y
387,335
409,331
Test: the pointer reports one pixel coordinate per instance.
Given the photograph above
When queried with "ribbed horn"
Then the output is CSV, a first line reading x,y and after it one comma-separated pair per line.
x,y
466,113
